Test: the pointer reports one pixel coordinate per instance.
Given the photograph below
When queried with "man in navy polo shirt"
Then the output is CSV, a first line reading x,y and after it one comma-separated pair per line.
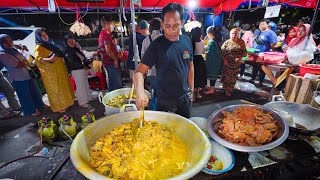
x,y
172,56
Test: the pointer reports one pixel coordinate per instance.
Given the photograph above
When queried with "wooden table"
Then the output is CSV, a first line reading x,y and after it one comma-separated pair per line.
x,y
282,72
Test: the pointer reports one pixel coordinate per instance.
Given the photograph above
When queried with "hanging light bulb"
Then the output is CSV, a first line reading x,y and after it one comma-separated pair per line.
x,y
192,4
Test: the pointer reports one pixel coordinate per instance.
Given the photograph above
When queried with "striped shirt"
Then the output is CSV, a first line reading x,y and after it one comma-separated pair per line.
x,y
106,39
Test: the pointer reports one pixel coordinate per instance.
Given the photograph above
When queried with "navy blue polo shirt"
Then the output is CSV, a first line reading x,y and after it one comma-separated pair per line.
x,y
171,60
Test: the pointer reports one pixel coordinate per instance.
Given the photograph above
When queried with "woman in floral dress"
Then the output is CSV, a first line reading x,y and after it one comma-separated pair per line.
x,y
233,50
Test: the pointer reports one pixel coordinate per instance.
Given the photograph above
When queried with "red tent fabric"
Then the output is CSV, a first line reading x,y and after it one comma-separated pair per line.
x,y
218,5
106,4
230,5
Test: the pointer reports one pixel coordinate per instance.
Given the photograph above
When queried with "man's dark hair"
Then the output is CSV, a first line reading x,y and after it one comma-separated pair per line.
x,y
104,21
173,7
265,20
211,30
196,34
155,24
246,27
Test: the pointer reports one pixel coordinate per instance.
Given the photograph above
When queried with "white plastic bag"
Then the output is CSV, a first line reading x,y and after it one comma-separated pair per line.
x,y
311,76
301,54
246,87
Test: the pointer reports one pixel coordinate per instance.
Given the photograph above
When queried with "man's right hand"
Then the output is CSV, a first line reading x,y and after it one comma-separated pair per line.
x,y
141,101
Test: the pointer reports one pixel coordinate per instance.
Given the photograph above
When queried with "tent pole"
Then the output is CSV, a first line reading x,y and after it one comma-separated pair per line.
x,y
120,20
314,18
133,24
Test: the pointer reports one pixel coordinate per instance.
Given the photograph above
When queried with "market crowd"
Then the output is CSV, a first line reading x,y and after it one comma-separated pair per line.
x,y
176,66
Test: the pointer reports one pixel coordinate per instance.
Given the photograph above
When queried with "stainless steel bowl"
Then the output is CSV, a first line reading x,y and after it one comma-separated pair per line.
x,y
279,139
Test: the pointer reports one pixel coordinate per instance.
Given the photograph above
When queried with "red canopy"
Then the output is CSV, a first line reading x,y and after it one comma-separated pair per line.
x,y
230,5
218,5
106,4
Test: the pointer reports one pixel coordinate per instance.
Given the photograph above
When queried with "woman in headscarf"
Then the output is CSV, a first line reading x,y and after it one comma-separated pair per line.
x,y
27,91
78,65
233,50
198,61
49,59
292,33
301,49
213,60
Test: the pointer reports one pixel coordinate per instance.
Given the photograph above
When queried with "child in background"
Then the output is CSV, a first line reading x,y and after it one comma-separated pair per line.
x,y
280,38
116,41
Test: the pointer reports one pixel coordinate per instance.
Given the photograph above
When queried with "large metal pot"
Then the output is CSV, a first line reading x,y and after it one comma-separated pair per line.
x,y
110,95
193,137
306,119
279,139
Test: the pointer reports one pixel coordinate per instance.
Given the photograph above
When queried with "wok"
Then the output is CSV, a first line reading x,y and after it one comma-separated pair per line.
x,y
214,120
189,132
306,119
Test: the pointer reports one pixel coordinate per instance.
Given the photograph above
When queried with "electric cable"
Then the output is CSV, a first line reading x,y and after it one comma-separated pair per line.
x,y
27,156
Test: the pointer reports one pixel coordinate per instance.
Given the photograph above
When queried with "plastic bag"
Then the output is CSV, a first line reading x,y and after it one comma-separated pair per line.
x,y
246,87
301,54
311,76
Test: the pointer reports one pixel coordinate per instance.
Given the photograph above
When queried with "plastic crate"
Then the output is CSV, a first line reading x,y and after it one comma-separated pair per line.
x,y
309,68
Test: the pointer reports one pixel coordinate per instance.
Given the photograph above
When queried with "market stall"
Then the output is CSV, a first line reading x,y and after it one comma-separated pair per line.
x,y
231,139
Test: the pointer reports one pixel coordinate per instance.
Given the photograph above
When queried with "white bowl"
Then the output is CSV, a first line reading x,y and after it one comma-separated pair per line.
x,y
223,154
201,122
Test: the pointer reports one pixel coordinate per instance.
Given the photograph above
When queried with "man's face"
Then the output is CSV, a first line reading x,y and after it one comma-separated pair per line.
x,y
263,26
302,31
144,31
171,26
109,26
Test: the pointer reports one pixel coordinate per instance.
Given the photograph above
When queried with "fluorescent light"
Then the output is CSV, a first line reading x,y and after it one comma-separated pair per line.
x,y
192,4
